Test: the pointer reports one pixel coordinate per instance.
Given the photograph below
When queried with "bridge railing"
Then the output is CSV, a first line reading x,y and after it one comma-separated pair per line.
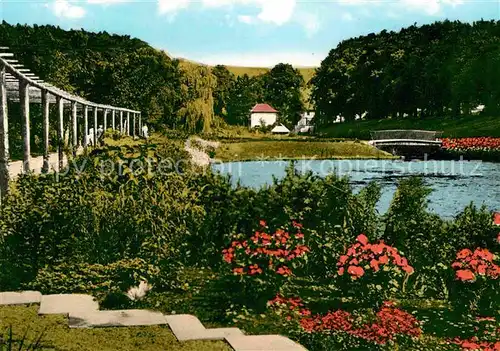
x,y
405,134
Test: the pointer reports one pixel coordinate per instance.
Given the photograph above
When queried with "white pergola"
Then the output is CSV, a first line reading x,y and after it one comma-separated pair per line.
x,y
18,84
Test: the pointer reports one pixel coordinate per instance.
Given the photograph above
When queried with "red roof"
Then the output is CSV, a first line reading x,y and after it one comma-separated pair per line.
x,y
263,108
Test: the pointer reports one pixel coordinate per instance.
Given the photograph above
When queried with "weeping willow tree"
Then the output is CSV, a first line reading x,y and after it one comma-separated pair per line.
x,y
197,86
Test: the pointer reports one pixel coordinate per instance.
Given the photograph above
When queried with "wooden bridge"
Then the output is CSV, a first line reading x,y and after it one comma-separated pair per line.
x,y
18,84
408,143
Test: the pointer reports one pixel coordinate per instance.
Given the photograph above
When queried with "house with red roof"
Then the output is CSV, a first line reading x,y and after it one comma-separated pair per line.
x,y
263,114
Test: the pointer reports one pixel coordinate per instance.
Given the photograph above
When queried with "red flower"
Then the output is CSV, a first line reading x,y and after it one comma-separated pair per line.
x,y
464,253
496,218
408,269
296,225
341,271
362,239
356,271
238,270
465,275
263,223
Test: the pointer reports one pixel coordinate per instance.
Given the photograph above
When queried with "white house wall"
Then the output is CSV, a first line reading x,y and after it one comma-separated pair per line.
x,y
268,118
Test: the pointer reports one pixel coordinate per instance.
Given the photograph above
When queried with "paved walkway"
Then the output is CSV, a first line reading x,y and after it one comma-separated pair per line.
x,y
83,312
36,164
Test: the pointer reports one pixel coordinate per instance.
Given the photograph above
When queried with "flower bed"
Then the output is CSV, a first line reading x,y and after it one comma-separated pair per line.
x,y
482,148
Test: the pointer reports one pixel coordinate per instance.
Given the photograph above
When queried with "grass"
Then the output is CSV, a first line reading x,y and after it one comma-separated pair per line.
x,y
471,126
58,336
284,150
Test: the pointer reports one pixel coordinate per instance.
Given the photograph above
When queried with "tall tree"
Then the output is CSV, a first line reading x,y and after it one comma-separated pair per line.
x,y
282,89
245,93
225,81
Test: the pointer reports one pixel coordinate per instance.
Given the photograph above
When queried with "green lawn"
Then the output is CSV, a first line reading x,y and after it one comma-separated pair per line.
x,y
58,336
283,150
472,126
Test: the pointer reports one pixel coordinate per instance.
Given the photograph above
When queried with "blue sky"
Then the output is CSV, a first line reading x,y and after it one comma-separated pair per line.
x,y
244,32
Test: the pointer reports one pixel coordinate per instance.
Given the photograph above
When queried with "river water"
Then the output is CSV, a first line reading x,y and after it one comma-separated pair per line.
x,y
455,184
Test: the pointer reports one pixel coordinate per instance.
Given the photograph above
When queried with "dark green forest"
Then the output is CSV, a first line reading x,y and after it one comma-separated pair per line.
x,y
437,70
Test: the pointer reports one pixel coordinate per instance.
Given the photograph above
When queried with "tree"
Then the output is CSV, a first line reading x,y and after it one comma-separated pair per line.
x,y
245,93
225,82
282,89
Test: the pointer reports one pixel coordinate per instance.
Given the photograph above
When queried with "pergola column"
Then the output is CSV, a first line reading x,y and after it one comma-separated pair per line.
x,y
140,125
24,99
113,119
85,127
133,125
4,136
95,126
106,119
60,131
122,129
45,117
75,127
128,123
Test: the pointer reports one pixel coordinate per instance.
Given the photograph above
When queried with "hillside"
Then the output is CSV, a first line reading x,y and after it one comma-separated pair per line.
x,y
307,72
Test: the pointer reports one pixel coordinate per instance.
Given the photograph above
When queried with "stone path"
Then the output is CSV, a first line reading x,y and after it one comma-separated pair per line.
x,y
83,312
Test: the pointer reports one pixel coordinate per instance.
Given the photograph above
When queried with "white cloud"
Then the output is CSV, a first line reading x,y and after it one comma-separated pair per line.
x,y
246,19
106,2
65,8
429,7
277,12
346,16
260,59
310,21
171,6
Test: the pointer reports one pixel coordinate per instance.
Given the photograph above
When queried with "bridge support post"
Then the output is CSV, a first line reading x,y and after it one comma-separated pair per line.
x,y
60,132
45,117
4,136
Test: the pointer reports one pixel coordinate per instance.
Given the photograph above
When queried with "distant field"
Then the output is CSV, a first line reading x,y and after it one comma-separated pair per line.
x,y
473,126
307,72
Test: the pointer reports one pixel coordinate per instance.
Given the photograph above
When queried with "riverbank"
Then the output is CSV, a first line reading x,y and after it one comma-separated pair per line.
x,y
293,150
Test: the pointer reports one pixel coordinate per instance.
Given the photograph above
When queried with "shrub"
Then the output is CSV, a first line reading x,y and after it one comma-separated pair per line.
x,y
93,278
262,262
372,273
475,288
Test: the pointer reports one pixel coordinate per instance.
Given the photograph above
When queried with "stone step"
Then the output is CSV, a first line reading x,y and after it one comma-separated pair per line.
x,y
67,304
187,328
20,298
263,343
121,318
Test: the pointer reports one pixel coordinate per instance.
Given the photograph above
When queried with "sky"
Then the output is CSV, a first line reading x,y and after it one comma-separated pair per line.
x,y
258,33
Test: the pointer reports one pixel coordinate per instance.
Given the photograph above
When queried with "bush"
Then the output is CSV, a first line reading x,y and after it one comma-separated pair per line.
x,y
475,287
372,273
93,278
